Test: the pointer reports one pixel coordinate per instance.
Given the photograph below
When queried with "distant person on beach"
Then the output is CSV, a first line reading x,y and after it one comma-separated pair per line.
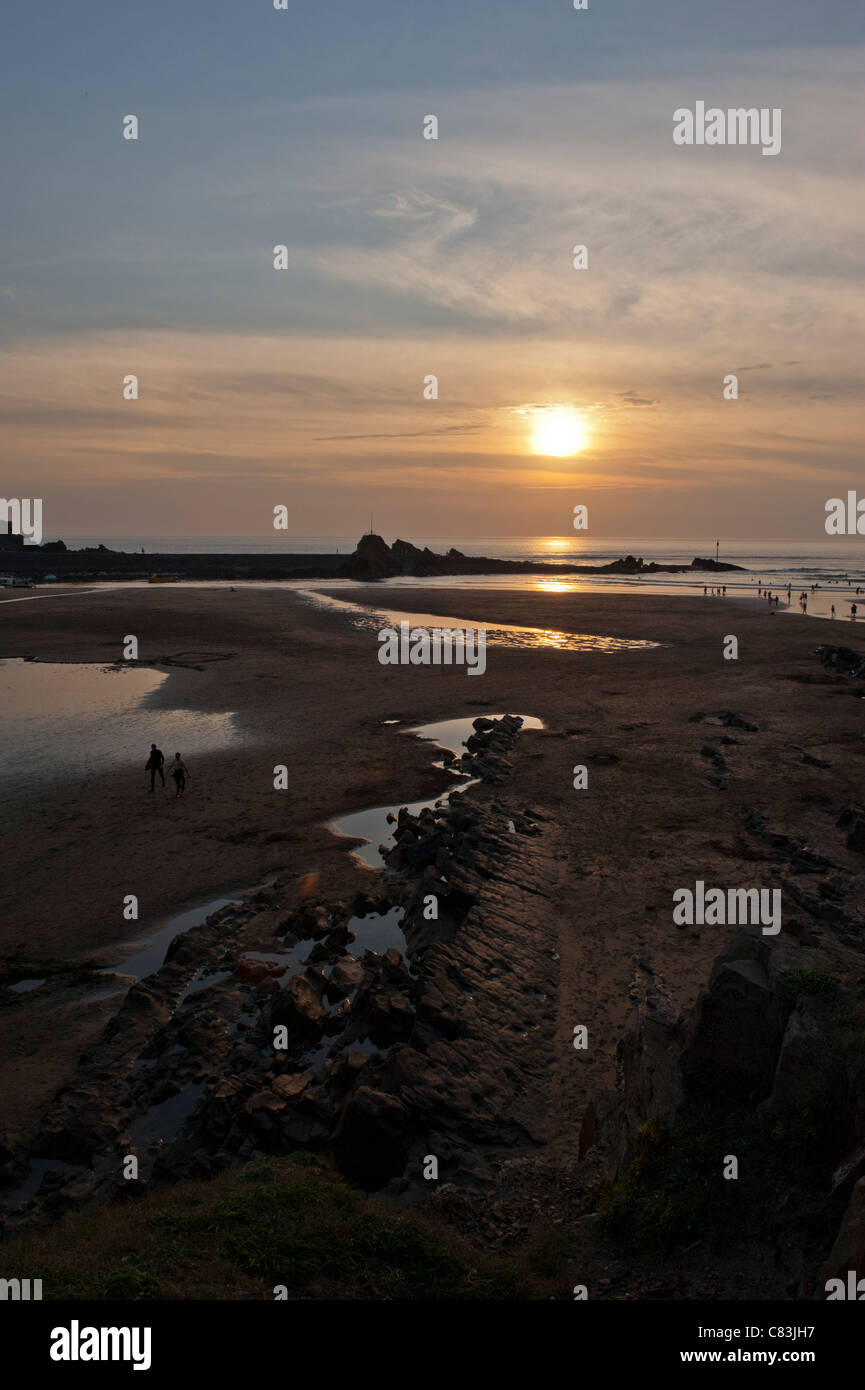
x,y
853,608
833,610
154,765
179,772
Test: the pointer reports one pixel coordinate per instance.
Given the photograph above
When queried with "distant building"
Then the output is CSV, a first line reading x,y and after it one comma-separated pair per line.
x,y
9,541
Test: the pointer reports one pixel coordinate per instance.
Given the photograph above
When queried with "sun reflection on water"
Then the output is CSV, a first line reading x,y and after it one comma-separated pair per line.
x,y
497,634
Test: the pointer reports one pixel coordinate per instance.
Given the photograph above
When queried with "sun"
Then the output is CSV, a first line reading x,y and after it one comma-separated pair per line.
x,y
559,432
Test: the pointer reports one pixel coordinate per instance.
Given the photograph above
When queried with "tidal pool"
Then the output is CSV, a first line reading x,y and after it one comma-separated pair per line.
x,y
72,721
372,825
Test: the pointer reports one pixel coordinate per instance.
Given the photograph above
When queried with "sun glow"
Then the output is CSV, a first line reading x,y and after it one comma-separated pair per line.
x,y
559,432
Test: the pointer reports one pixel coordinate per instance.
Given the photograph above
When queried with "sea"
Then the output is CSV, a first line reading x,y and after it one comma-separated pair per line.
x,y
829,570
811,559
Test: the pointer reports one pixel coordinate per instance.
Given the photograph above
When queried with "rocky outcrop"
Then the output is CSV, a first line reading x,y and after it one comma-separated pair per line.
x,y
375,559
268,1029
771,1034
371,1140
848,1252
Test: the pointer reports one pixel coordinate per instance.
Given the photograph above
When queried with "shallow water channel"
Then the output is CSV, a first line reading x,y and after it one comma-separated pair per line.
x,y
371,824
497,634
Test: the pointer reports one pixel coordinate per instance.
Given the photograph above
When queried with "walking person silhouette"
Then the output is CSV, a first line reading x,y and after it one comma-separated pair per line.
x,y
179,772
154,764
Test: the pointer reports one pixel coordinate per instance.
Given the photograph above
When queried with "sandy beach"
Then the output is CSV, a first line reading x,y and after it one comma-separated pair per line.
x,y
306,690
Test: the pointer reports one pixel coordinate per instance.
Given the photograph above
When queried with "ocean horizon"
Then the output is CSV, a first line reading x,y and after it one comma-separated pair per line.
x,y
811,559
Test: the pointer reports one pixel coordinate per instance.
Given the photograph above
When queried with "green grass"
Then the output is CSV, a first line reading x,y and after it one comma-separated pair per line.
x,y
288,1221
813,984
673,1184
674,1191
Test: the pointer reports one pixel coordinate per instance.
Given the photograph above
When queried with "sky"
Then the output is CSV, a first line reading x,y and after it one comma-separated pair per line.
x,y
408,257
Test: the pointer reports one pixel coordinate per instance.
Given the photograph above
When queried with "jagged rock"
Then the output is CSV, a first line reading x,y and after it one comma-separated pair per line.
x,y
738,1031
714,757
287,1087
401,1015
394,970
810,758
78,1130
371,1138
346,975
809,1078
82,1187
387,1016
726,718
298,1005
856,838
848,1252
588,1130
649,1057
262,973
739,721
347,1069
440,1011
223,1101
849,1171
338,938
371,560
264,1100
850,813
298,1130
307,922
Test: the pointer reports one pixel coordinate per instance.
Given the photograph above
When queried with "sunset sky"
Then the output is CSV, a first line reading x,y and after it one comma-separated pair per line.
x,y
410,257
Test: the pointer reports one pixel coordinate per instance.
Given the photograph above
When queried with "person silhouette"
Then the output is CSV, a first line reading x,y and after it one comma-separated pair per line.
x,y
154,765
179,772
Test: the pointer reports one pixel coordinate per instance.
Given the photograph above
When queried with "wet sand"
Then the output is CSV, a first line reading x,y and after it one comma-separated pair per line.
x,y
306,690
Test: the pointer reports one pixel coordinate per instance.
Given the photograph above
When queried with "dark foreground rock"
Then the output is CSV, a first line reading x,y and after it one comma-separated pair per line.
x,y
771,1060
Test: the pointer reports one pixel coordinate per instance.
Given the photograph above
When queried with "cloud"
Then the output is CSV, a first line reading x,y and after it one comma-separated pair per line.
x,y
455,257
408,434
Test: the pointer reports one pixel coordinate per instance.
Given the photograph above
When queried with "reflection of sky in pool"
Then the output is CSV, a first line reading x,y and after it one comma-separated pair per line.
x,y
68,720
371,824
497,634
